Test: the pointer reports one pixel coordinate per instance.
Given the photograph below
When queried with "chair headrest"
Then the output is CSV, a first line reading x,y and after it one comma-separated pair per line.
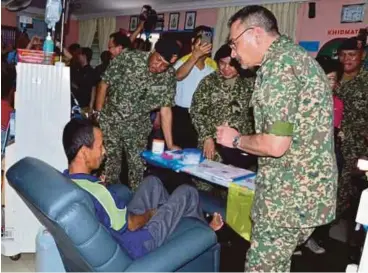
x,y
45,187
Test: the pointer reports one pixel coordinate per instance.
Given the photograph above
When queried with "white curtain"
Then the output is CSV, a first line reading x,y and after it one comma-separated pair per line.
x,y
286,14
106,26
87,31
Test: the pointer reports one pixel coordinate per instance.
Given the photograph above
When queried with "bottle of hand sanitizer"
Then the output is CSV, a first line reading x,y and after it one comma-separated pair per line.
x,y
48,48
48,45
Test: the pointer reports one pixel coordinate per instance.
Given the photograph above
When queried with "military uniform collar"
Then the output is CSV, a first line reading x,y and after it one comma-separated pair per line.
x,y
362,74
279,42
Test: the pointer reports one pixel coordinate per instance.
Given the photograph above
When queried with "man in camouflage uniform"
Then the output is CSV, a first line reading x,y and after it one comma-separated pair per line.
x,y
138,82
222,97
297,174
354,93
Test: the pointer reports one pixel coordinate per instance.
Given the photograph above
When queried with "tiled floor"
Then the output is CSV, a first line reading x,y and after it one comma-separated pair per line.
x,y
26,263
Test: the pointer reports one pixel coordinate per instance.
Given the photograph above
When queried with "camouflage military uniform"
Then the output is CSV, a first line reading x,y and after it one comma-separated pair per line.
x,y
133,92
296,192
354,127
217,101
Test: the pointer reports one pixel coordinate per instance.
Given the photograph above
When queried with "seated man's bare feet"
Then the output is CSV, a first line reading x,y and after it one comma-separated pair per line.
x,y
216,222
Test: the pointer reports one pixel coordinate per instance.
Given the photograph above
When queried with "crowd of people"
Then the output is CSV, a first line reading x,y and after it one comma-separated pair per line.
x,y
302,122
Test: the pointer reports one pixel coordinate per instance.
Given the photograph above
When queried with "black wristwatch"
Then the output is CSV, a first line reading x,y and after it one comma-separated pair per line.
x,y
236,141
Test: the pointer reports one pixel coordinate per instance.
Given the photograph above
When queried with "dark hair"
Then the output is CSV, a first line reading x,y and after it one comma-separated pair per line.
x,y
77,133
121,39
73,47
330,65
197,32
255,15
105,57
86,51
225,51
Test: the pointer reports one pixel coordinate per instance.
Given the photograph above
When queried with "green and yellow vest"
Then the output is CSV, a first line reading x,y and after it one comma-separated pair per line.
x,y
117,216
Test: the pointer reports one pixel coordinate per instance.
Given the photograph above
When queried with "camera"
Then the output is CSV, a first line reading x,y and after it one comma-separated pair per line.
x,y
149,16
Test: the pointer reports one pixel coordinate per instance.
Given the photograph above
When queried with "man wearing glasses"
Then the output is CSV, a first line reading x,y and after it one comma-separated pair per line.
x,y
297,174
139,82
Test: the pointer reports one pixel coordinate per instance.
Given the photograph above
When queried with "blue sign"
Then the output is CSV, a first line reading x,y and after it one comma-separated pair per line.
x,y
311,46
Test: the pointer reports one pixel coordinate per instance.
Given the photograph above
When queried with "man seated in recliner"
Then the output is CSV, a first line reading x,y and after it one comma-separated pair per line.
x,y
150,217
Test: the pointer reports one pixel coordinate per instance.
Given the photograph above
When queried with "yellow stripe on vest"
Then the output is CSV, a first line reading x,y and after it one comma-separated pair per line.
x,y
117,216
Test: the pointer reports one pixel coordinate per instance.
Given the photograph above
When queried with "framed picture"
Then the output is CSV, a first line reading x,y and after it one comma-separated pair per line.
x,y
160,22
174,21
190,20
352,13
133,23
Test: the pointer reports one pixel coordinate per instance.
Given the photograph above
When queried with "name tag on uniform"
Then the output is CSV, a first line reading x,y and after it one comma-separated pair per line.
x,y
158,88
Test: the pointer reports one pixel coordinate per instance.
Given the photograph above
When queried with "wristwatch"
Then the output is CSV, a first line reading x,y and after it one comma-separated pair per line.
x,y
236,141
96,114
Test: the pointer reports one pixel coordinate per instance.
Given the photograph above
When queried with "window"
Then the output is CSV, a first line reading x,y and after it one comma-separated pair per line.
x,y
96,52
8,35
39,28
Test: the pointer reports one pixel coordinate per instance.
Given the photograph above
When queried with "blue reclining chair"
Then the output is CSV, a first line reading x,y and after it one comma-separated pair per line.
x,y
85,245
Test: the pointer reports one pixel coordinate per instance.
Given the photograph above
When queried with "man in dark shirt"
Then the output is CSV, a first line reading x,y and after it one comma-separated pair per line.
x,y
86,80
150,217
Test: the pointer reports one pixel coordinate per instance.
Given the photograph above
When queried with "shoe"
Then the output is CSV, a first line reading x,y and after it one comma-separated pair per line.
x,y
314,247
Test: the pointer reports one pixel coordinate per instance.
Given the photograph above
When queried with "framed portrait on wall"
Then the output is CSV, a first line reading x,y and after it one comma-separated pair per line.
x,y
190,20
133,23
352,13
160,22
174,21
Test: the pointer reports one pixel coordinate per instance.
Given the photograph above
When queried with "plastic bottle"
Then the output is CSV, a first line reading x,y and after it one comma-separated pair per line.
x,y
48,48
48,45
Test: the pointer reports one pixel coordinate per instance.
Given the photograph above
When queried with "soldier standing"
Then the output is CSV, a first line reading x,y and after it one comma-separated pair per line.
x,y
222,96
139,82
293,109
354,93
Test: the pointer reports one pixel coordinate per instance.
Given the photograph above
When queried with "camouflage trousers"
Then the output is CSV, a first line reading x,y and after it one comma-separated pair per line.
x,y
129,140
272,247
352,149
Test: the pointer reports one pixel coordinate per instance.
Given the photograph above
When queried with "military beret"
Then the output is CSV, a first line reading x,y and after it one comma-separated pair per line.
x,y
350,44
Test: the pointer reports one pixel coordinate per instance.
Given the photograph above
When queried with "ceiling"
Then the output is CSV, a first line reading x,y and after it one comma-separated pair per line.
x,y
84,9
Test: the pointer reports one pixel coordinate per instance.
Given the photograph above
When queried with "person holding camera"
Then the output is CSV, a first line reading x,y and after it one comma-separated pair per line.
x,y
139,82
190,70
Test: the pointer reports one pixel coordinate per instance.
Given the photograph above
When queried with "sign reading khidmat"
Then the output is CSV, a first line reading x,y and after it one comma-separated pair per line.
x,y
352,32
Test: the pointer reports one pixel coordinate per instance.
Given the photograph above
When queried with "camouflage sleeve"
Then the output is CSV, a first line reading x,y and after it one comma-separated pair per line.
x,y
114,70
280,91
201,112
167,99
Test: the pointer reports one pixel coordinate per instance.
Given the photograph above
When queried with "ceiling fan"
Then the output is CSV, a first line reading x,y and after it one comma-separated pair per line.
x,y
17,5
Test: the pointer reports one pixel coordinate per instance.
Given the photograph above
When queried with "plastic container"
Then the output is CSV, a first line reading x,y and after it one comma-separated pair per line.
x,y
48,48
33,56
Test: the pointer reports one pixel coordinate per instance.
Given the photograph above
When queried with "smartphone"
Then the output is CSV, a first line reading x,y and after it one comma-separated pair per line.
x,y
206,38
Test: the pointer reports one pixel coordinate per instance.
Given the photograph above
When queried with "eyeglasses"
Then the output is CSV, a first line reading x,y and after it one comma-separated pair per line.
x,y
231,43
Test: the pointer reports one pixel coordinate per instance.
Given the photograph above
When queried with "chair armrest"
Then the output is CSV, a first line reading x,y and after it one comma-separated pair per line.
x,y
177,252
